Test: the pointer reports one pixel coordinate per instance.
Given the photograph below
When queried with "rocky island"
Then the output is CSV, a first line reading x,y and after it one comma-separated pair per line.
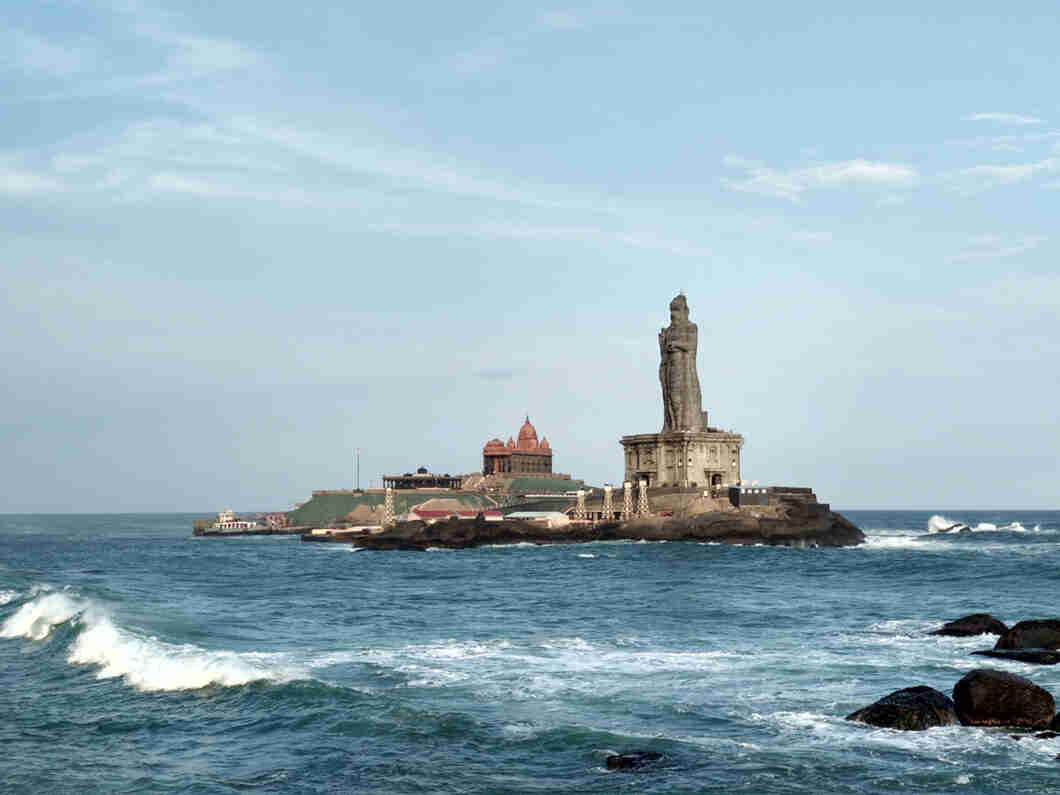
x,y
792,523
687,478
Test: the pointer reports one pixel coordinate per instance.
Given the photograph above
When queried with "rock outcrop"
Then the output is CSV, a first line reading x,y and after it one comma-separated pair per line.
x,y
994,698
632,760
1036,656
910,709
1034,634
975,624
801,526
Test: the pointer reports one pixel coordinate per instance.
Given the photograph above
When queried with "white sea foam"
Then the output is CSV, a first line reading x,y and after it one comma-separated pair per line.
x,y
36,619
586,555
8,596
896,542
943,524
145,663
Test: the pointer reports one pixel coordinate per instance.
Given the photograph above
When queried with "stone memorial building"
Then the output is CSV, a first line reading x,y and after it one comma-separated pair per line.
x,y
524,457
687,452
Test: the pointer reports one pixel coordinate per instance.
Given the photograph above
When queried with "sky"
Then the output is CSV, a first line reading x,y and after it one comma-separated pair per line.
x,y
241,241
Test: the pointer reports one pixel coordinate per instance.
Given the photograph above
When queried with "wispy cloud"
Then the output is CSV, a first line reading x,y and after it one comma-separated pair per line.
x,y
646,238
984,247
18,182
561,20
507,46
34,55
988,176
1003,118
791,184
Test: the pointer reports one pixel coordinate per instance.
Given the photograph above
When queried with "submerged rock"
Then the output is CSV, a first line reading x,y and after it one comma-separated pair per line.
x,y
975,624
910,709
1034,634
1036,656
995,698
632,760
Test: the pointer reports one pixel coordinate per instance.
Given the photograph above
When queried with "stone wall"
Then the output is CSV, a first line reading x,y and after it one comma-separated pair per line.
x,y
688,459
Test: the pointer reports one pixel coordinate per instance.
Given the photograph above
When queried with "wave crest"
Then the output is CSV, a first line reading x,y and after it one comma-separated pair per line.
x,y
145,663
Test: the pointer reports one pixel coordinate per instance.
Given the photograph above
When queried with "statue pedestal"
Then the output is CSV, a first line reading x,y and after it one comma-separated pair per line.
x,y
683,459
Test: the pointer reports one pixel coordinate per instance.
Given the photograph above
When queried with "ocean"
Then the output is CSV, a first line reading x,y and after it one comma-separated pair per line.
x,y
135,658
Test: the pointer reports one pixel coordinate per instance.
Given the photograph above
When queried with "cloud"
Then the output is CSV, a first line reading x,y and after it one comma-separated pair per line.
x,y
499,373
23,183
561,20
1003,118
984,247
989,176
646,238
792,183
33,55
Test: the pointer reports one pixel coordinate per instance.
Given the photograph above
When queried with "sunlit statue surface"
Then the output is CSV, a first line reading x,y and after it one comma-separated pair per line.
x,y
682,399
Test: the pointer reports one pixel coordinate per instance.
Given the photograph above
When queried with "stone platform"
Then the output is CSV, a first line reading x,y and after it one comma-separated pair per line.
x,y
707,458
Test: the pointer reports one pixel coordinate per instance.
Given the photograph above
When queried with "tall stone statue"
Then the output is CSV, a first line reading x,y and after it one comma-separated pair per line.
x,y
682,400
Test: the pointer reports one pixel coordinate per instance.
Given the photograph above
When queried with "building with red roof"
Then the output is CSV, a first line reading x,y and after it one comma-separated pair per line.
x,y
527,456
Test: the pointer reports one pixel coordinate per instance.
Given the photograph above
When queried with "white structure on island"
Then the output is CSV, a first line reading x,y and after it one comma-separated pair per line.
x,y
227,520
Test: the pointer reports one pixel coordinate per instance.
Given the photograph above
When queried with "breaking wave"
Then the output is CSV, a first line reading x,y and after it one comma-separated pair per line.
x,y
942,524
145,663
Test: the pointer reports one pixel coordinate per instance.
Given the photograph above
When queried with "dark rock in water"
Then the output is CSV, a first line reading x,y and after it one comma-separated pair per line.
x,y
633,760
1037,656
1039,736
794,525
995,698
975,624
911,709
1054,725
1035,634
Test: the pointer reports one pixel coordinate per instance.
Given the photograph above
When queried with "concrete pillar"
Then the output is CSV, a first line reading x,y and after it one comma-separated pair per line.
x,y
579,512
627,500
609,511
388,508
642,500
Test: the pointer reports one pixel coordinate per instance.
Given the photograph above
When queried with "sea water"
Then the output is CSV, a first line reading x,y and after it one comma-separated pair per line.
x,y
136,658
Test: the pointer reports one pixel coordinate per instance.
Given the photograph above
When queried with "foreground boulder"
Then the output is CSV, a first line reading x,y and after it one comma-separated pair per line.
x,y
995,698
1035,634
911,709
632,760
1036,656
975,624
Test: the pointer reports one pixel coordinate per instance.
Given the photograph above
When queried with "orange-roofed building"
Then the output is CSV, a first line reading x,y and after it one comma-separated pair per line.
x,y
527,456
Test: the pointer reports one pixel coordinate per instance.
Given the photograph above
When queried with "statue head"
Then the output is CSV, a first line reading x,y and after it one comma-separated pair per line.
x,y
679,309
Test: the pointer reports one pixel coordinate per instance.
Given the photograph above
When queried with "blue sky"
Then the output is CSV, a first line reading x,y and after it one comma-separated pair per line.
x,y
239,243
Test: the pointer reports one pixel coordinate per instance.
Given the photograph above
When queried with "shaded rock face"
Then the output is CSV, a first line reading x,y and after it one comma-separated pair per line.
x,y
632,760
911,709
995,698
812,528
1035,634
975,624
1036,656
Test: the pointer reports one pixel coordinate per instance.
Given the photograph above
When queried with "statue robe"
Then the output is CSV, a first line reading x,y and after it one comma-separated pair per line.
x,y
682,399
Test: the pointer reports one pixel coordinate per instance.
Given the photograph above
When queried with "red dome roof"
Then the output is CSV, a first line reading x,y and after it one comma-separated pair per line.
x,y
544,444
527,436
494,444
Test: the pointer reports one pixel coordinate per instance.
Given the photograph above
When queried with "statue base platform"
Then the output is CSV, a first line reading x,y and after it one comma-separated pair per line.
x,y
707,459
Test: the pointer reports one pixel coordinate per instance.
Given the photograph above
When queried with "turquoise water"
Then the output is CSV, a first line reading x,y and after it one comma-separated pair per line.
x,y
135,658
